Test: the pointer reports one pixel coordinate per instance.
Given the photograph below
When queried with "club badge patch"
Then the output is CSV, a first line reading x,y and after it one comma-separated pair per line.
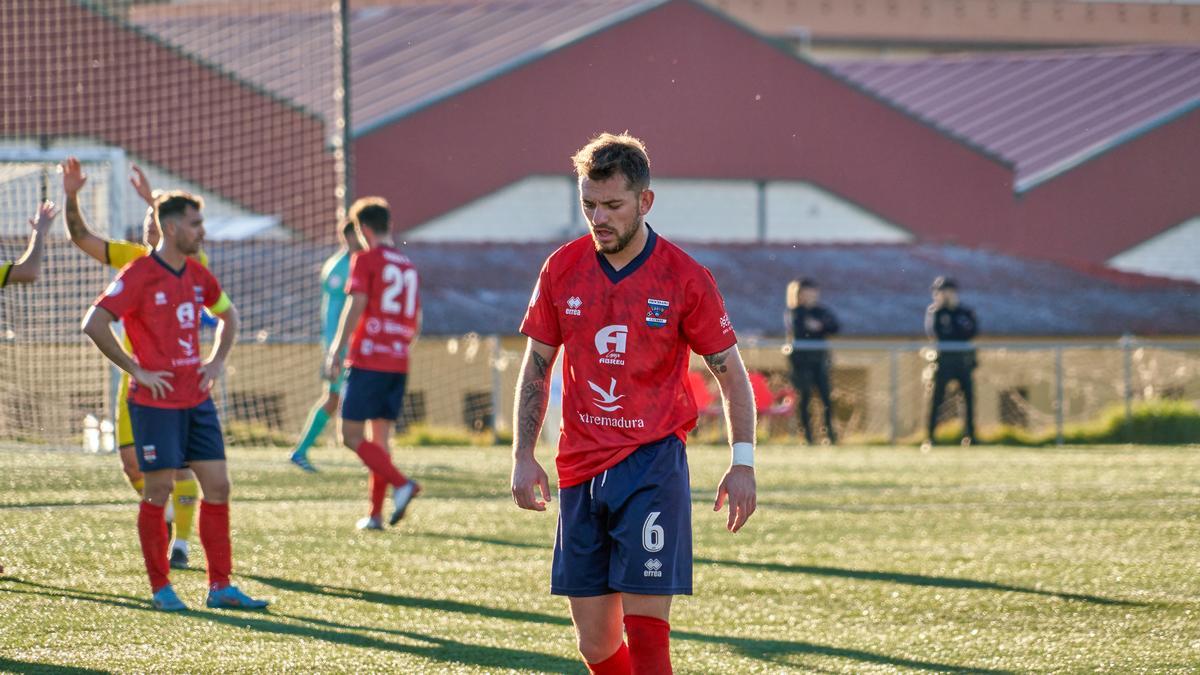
x,y
655,315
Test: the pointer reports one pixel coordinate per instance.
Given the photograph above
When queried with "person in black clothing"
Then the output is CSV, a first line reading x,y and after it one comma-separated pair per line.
x,y
947,320
808,320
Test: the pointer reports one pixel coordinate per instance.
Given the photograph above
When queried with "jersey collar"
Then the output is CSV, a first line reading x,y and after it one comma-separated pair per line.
x,y
172,270
614,275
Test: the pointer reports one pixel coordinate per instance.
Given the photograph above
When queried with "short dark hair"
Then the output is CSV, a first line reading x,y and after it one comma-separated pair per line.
x,y
174,203
372,213
808,282
944,284
608,154
346,227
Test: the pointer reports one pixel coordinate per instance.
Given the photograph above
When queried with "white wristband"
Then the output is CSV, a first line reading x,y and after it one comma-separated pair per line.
x,y
743,454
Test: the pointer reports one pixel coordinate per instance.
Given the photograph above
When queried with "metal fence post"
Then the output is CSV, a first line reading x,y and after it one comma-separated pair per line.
x,y
1127,358
1058,395
893,395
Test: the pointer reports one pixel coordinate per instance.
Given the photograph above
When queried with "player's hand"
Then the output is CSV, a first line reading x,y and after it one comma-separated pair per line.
x,y
46,214
155,381
528,478
738,485
209,374
333,367
141,184
73,176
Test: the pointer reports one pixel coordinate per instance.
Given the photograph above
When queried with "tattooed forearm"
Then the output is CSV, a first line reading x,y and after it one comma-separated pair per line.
x,y
716,362
76,226
533,393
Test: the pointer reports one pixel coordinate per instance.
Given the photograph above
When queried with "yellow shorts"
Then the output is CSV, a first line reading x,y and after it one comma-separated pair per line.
x,y
124,426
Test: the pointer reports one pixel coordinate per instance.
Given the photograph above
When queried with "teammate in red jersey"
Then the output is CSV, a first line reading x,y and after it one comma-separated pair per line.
x,y
384,314
628,307
160,298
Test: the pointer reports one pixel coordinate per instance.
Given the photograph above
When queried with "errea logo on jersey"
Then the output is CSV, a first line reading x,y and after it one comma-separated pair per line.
x,y
610,344
573,305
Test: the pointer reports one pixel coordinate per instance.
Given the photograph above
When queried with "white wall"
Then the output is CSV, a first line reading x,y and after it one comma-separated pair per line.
x,y
538,208
1174,253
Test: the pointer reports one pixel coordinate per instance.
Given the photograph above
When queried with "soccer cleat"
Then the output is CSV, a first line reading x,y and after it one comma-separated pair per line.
x,y
179,559
302,462
165,600
403,496
369,523
231,598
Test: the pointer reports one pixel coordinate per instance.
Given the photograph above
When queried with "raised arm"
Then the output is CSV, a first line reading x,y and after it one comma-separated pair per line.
x,y
738,483
533,395
25,269
87,241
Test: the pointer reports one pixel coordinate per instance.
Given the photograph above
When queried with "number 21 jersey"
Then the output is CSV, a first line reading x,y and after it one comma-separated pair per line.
x,y
389,324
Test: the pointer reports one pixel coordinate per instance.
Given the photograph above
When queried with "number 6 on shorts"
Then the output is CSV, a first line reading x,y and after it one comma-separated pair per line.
x,y
652,535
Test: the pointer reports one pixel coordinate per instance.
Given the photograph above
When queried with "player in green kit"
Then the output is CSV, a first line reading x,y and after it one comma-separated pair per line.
x,y
334,275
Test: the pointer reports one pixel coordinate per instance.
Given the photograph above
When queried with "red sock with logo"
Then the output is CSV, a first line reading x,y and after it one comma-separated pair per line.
x,y
214,537
649,644
378,487
152,532
377,460
617,664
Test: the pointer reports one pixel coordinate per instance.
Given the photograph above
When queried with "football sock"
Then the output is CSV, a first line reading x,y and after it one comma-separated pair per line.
x,y
377,460
617,664
184,501
152,532
214,536
649,644
138,484
312,430
378,487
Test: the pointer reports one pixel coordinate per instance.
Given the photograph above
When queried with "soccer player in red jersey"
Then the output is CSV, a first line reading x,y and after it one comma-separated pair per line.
x,y
384,314
628,307
160,298
25,269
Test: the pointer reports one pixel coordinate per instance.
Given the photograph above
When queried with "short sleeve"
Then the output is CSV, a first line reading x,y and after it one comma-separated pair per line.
x,y
121,253
541,322
706,325
360,275
121,296
5,268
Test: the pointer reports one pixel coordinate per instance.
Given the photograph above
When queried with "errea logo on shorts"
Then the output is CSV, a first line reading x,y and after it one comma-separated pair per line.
x,y
610,344
653,568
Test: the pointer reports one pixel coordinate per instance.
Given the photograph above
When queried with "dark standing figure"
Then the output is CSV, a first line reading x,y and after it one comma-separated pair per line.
x,y
948,321
807,319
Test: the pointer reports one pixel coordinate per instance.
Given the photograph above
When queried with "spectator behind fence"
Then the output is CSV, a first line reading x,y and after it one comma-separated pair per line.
x,y
948,321
808,320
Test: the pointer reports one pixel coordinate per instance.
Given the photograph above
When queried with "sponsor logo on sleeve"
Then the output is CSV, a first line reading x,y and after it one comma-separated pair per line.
x,y
726,324
654,315
610,344
573,305
114,289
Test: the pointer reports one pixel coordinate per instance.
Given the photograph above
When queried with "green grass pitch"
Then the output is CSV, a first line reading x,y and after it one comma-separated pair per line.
x,y
859,560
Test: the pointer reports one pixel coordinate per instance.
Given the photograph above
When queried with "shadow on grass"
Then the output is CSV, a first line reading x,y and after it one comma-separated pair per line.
x,y
847,573
762,650
14,666
431,647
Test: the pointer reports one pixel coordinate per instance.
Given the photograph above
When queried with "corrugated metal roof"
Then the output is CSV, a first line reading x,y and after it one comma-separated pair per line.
x,y
402,57
1044,112
876,290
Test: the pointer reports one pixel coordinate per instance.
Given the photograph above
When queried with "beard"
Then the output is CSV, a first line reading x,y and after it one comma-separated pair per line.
x,y
623,239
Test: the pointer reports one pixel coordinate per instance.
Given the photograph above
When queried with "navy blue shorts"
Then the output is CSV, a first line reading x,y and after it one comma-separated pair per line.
x,y
372,395
628,529
170,438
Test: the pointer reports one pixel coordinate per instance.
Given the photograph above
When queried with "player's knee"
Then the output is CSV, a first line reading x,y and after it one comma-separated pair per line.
x,y
330,404
351,439
594,648
158,493
217,491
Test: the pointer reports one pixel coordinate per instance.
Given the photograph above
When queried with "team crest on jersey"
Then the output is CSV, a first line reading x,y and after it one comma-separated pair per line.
x,y
573,305
199,291
654,315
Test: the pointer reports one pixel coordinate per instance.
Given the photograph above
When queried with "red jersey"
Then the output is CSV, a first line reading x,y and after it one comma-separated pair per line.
x,y
627,337
161,309
388,325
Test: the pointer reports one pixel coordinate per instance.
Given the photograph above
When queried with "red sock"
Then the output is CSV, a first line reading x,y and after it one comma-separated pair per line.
x,y
377,460
152,531
649,644
617,664
214,537
378,487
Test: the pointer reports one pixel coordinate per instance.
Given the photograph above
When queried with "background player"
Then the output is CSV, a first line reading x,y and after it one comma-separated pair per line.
x,y
175,423
807,319
384,314
334,274
946,320
628,307
26,268
118,253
